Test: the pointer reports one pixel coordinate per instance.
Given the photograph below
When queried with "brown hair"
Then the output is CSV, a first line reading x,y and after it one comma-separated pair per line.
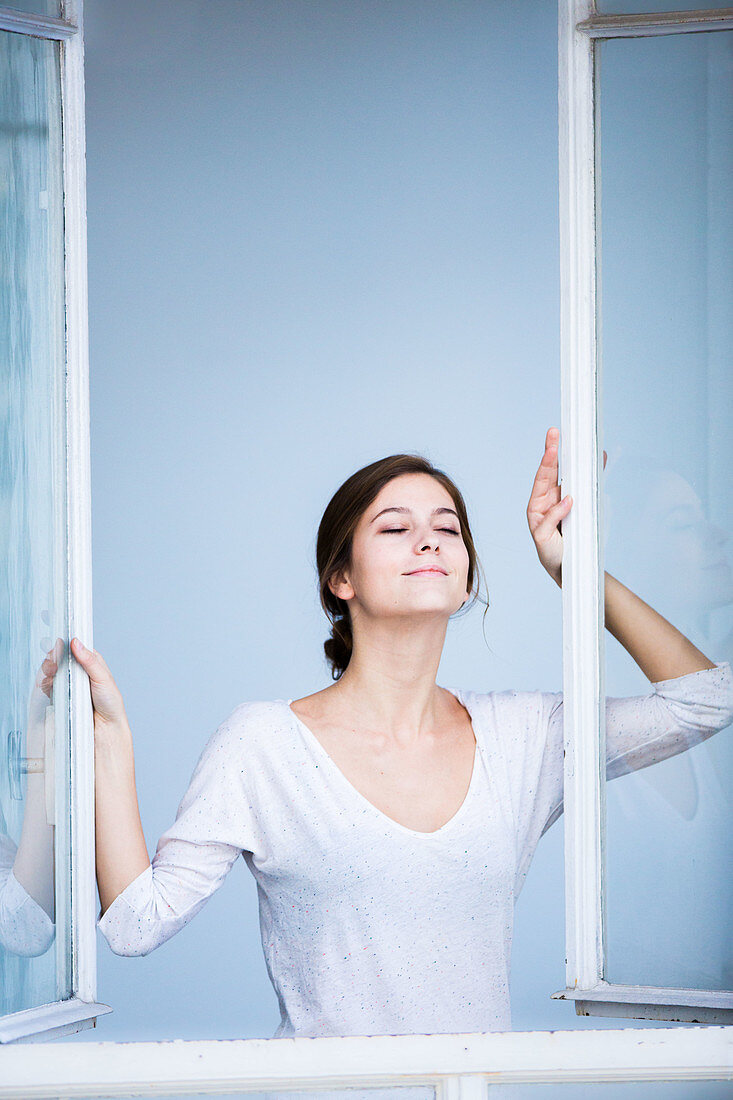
x,y
336,532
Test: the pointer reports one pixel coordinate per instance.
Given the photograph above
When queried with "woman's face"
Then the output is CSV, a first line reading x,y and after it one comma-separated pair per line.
x,y
687,550
408,555
665,547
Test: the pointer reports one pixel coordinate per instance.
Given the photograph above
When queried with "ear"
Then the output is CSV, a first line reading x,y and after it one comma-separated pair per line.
x,y
340,586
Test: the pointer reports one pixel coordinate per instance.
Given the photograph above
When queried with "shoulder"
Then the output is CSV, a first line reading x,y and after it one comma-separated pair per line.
x,y
517,734
510,712
518,729
251,727
255,714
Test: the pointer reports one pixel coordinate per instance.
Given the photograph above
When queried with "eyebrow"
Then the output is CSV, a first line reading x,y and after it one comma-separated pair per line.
x,y
406,511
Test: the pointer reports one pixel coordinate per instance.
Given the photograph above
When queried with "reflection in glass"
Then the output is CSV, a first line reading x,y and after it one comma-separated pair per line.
x,y
37,7
34,771
666,302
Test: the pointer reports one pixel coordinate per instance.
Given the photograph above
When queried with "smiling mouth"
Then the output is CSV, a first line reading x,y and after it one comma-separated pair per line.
x,y
427,573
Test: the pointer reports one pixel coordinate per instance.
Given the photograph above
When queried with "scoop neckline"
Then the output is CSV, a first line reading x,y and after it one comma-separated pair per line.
x,y
311,738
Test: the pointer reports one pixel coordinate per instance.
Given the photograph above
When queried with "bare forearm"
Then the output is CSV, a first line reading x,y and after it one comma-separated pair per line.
x,y
122,854
660,650
34,860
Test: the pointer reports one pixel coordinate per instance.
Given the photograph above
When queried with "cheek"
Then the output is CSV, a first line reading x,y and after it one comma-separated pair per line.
x,y
373,562
691,547
680,546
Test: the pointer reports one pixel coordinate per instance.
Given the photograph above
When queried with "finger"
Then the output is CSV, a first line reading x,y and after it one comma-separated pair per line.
x,y
538,507
92,662
51,661
546,476
551,519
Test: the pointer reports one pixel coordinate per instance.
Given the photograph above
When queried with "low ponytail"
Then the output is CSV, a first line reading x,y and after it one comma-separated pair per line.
x,y
338,647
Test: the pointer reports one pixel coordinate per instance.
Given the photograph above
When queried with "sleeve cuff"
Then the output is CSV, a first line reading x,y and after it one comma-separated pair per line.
x,y
25,928
718,675
132,897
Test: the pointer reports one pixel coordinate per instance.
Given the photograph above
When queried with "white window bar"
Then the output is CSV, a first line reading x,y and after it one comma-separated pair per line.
x,y
583,596
83,877
40,26
459,1065
667,22
80,1010
582,581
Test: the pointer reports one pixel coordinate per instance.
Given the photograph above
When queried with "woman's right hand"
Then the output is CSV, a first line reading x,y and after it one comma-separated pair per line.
x,y
121,852
120,842
109,708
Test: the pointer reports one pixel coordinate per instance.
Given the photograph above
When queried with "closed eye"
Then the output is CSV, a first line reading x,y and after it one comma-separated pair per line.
x,y
397,530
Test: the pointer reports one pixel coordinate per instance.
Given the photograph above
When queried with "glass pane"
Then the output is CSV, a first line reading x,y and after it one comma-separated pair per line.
x,y
34,742
666,126
632,7
38,7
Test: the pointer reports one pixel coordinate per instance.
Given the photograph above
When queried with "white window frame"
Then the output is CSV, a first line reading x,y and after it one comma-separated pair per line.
x,y
460,1066
81,1009
579,27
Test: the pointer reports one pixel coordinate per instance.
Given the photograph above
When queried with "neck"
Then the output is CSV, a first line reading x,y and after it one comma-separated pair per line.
x,y
389,684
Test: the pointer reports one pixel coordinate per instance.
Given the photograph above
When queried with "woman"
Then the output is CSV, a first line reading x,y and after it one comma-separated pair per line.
x,y
389,822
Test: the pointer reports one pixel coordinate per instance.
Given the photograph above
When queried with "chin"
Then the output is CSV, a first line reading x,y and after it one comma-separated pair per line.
x,y
435,607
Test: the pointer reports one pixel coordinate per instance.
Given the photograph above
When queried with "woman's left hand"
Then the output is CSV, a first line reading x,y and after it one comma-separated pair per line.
x,y
546,510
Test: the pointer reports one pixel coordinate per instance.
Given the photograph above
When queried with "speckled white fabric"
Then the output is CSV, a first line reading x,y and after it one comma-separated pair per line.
x,y
369,927
25,928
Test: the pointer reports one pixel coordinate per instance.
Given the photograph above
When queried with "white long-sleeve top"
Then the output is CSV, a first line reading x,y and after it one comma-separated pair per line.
x,y
25,928
369,927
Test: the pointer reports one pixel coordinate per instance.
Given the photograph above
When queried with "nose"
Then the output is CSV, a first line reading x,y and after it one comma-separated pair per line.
x,y
435,542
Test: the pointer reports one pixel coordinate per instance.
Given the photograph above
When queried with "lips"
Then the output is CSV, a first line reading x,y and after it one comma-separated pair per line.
x,y
430,570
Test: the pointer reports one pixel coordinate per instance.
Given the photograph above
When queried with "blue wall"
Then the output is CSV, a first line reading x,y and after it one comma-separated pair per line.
x,y
319,233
